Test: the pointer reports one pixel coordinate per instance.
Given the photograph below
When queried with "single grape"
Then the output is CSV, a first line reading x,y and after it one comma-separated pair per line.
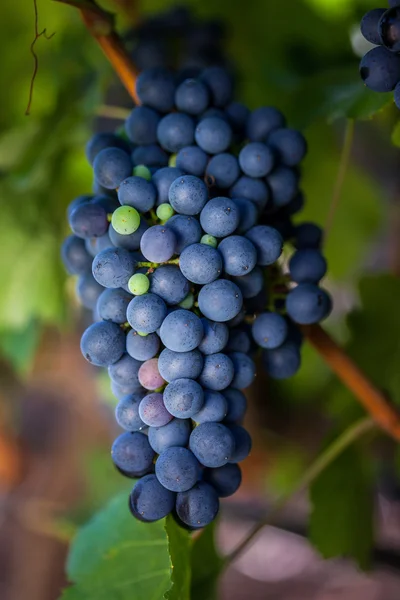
x,y
149,375
213,135
176,433
100,141
183,398
215,337
125,220
175,131
245,370
223,170
164,211
125,372
153,156
212,444
268,243
214,408
307,304
141,125
156,88
113,267
369,25
251,284
88,220
139,284
127,412
218,372
288,145
158,244
75,257
103,343
181,331
197,507
188,195
192,160
177,365
153,412
307,266
220,300
239,340
146,313
380,69
237,405
138,193
242,443
209,240
142,171
112,305
308,235
177,469
225,480
270,330
219,217
283,184
128,242
132,454
283,362
192,97
252,189
201,263
187,231
142,348
170,284
248,214
220,84
111,166
188,302
77,202
256,159
262,121
238,254
149,501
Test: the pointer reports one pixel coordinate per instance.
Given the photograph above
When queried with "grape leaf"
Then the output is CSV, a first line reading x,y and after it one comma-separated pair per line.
x,y
206,565
341,521
179,549
396,135
115,557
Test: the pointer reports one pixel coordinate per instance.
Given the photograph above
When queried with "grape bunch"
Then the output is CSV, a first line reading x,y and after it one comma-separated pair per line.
x,y
179,254
380,67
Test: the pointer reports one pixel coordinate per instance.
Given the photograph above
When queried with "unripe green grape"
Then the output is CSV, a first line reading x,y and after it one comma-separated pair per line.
x,y
142,334
138,284
125,220
187,302
142,171
172,160
209,240
164,211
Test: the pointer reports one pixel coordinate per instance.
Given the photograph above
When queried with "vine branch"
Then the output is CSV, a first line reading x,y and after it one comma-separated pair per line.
x,y
324,460
372,399
101,26
38,34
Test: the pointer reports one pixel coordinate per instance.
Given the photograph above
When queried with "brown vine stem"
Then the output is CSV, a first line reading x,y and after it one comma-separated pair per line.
x,y
324,460
373,400
101,26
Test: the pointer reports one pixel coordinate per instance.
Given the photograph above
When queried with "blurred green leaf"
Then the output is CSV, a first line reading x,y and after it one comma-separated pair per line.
x,y
206,565
116,557
396,135
179,547
374,344
19,345
286,469
341,522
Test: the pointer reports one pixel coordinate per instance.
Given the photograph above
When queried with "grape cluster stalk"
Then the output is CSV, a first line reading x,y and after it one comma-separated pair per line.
x,y
179,254
380,67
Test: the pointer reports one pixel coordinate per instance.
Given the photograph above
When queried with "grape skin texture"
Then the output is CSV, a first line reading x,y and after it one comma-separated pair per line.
x,y
212,443
149,501
132,454
199,506
177,469
103,344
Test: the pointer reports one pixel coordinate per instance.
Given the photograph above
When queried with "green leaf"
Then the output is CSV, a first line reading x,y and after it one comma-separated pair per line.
x,y
19,345
179,547
341,522
116,557
206,565
396,135
374,343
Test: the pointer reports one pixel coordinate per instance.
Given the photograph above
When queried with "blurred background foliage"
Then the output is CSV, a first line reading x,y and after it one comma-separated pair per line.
x,y
300,56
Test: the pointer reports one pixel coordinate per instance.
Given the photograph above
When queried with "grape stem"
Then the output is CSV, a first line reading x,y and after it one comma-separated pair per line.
x,y
324,460
101,26
154,265
372,399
